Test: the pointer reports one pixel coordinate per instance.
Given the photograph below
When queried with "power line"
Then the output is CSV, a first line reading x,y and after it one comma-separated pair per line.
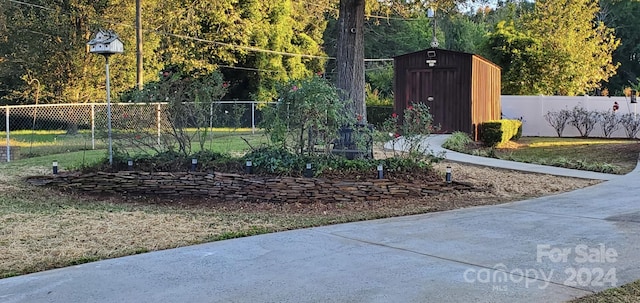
x,y
31,4
249,68
219,65
248,48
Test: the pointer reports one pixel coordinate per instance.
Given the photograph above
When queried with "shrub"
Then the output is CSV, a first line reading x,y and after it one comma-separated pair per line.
x,y
631,124
416,124
518,132
583,120
280,161
191,100
610,122
511,130
558,120
307,112
458,141
490,133
375,98
493,133
171,160
377,115
274,160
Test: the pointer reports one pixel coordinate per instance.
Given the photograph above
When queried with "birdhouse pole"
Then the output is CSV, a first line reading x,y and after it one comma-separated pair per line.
x,y
107,43
106,58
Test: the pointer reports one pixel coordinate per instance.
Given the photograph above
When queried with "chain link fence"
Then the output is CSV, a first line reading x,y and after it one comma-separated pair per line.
x,y
38,130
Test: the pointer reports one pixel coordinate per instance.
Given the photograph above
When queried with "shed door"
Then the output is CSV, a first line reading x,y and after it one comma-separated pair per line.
x,y
429,86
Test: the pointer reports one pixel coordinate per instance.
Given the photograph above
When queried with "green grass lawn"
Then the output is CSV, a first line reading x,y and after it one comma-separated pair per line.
x,y
39,142
617,156
41,148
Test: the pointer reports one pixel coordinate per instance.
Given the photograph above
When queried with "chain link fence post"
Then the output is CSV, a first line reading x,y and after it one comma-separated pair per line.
x,y
158,121
253,117
211,115
93,126
8,135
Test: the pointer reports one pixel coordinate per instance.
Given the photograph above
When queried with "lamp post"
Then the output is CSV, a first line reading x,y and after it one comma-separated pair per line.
x,y
431,14
107,43
635,104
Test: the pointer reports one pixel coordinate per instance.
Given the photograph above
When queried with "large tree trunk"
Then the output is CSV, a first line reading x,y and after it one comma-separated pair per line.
x,y
350,57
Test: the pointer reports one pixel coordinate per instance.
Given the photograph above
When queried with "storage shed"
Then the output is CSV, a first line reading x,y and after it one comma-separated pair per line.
x,y
461,89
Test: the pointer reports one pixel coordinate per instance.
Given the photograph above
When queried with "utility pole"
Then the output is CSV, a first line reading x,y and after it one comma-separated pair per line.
x,y
139,69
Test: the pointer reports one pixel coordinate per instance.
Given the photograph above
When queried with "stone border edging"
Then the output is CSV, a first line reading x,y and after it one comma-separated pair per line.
x,y
235,187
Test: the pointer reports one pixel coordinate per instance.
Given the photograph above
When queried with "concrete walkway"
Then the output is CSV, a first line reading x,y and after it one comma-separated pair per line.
x,y
549,249
434,144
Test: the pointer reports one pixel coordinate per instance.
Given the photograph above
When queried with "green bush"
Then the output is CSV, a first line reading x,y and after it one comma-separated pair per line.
x,y
490,133
493,133
274,160
511,130
307,112
458,141
518,133
377,115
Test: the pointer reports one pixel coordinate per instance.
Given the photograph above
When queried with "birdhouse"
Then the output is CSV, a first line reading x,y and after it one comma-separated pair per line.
x,y
106,43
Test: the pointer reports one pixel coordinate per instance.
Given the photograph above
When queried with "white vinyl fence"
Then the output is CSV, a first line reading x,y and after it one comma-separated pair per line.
x,y
59,128
533,108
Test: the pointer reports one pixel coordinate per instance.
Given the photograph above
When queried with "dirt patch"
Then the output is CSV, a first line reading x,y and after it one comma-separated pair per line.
x,y
509,183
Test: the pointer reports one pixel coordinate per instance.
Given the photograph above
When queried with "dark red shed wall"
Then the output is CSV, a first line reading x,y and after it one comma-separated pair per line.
x,y
456,83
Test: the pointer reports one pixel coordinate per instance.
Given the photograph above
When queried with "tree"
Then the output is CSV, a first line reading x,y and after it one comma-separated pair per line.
x,y
48,45
47,41
519,55
350,45
621,15
241,31
558,48
393,37
350,57
308,113
463,34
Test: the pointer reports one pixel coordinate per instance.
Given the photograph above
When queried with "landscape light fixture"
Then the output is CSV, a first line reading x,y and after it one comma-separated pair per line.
x,y
55,167
107,43
380,171
248,168
633,96
194,164
308,172
448,175
130,164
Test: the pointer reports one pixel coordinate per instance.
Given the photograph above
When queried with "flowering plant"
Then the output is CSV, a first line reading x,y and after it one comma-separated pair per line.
x,y
408,133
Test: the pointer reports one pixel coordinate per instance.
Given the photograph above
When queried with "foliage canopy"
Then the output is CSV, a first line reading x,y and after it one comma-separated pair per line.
x,y
557,48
